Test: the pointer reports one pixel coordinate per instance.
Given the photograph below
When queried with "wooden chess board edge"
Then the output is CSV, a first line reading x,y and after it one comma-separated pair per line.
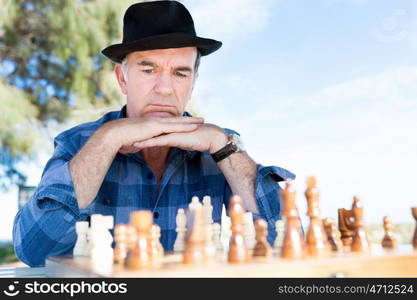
x,y
59,266
350,265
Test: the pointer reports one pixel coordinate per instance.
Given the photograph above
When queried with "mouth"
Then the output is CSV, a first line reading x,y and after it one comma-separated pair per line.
x,y
159,110
159,114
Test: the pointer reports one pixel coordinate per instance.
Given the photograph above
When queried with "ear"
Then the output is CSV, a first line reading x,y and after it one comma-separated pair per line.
x,y
120,78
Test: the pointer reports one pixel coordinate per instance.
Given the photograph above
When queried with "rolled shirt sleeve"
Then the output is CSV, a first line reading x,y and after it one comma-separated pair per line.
x,y
267,193
46,224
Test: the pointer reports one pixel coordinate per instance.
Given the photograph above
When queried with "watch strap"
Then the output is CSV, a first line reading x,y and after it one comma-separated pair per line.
x,y
223,152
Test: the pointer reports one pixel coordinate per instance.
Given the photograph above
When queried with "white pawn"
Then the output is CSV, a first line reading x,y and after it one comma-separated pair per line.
x,y
81,245
194,202
101,240
249,231
181,230
208,223
209,247
207,210
217,236
280,229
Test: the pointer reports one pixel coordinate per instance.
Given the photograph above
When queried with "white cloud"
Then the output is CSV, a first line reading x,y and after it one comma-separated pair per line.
x,y
220,19
364,142
358,137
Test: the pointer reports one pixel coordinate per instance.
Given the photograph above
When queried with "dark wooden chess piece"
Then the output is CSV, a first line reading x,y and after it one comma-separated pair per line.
x,y
293,245
238,252
333,234
414,213
138,257
262,247
346,225
317,243
389,241
360,240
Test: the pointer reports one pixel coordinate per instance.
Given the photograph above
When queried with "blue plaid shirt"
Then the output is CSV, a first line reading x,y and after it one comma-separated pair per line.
x,y
46,224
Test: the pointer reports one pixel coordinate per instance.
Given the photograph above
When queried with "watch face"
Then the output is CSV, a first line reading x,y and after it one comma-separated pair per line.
x,y
237,142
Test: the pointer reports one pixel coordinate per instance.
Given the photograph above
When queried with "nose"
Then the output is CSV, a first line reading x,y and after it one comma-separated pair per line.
x,y
163,84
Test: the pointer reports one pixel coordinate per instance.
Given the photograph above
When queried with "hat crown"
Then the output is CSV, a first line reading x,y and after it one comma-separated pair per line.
x,y
158,25
147,19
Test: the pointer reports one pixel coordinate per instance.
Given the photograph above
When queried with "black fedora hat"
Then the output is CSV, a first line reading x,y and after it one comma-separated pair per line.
x,y
158,25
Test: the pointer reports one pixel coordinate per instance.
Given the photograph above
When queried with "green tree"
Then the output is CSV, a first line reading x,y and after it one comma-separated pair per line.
x,y
52,70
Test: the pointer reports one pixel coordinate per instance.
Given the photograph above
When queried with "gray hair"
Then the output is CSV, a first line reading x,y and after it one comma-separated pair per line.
x,y
124,67
124,64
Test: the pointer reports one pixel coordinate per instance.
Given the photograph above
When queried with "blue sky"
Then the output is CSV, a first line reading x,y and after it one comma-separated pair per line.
x,y
325,88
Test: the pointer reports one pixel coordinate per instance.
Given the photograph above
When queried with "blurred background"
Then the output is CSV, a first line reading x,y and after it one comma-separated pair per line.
x,y
325,88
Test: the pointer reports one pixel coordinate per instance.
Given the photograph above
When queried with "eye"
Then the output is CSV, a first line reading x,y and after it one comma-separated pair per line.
x,y
179,74
147,71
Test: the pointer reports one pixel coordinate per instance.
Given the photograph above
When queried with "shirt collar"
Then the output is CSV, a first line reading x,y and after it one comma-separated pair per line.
x,y
122,113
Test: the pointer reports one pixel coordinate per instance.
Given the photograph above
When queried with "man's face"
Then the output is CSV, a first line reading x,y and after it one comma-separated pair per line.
x,y
159,82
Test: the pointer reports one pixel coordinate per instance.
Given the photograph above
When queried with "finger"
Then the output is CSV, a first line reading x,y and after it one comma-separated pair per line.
x,y
182,120
159,129
139,131
178,119
176,127
169,140
128,149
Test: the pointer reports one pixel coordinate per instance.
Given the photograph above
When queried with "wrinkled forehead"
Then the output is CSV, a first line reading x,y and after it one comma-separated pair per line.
x,y
185,56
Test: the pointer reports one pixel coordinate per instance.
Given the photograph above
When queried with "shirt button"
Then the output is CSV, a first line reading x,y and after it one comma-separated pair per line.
x,y
150,176
156,215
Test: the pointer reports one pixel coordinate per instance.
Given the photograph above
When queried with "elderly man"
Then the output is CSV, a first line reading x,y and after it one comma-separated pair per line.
x,y
150,155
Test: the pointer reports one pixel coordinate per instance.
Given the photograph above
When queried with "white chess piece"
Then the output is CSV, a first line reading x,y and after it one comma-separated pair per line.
x,y
217,236
207,210
101,240
225,231
194,202
94,227
249,230
181,221
210,248
280,229
81,245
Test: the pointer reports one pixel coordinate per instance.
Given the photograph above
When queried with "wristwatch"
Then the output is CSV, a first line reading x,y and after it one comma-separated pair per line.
x,y
233,145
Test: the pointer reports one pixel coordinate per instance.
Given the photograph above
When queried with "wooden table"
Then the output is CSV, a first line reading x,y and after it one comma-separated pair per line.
x,y
378,263
22,272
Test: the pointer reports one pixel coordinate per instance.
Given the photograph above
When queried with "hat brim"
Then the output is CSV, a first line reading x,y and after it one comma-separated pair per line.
x,y
117,52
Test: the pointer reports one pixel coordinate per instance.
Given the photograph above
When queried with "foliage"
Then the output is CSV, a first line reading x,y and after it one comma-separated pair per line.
x,y
53,70
403,232
7,254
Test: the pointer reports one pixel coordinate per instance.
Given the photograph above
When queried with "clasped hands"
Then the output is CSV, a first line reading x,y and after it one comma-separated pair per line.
x,y
131,135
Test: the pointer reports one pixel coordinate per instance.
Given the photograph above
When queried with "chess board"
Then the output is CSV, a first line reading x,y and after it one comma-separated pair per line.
x,y
380,262
137,245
